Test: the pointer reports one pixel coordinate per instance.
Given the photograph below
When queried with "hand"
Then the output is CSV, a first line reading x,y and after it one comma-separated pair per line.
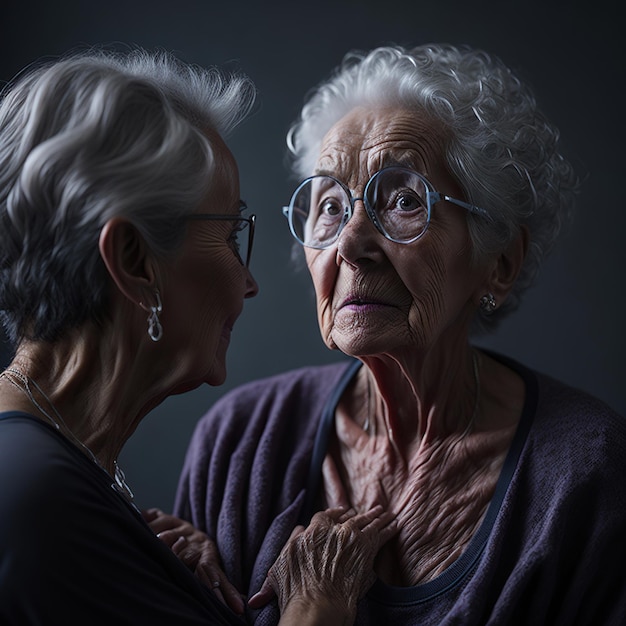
x,y
330,564
197,552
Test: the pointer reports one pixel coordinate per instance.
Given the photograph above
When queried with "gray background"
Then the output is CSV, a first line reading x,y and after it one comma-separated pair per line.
x,y
571,323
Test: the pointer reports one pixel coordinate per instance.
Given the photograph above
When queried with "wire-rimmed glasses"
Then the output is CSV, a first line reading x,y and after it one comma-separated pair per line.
x,y
242,246
398,201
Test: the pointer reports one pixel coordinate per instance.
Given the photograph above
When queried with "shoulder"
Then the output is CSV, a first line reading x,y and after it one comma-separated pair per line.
x,y
284,407
47,490
304,380
577,412
39,470
558,406
30,452
569,430
577,443
305,389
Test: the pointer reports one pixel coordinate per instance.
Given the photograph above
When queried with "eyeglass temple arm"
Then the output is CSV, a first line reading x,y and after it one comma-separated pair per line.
x,y
472,208
286,210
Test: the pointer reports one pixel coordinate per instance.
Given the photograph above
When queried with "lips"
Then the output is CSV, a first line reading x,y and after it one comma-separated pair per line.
x,y
362,301
227,329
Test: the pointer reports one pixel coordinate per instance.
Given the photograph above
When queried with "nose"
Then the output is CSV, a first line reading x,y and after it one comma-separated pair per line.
x,y
359,238
252,287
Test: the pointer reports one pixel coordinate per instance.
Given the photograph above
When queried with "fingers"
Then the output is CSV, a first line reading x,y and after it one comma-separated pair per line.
x,y
389,531
331,516
262,597
362,520
179,545
384,524
376,520
336,551
213,577
170,537
346,515
197,552
151,514
376,516
160,522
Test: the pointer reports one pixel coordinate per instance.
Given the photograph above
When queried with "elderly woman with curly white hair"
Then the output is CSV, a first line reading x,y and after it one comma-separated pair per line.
x,y
431,189
124,265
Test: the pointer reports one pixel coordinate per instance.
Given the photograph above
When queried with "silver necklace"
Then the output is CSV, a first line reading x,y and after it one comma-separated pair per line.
x,y
23,383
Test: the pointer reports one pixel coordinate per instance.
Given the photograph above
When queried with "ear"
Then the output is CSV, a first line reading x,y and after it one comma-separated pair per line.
x,y
128,259
507,266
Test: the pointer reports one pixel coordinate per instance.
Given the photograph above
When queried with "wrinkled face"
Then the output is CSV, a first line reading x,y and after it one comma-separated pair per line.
x,y
206,283
375,296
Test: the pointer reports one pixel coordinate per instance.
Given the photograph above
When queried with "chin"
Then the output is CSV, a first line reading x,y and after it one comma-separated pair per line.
x,y
216,381
216,376
358,346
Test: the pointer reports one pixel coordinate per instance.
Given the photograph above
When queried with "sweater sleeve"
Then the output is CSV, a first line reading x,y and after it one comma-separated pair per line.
x,y
245,473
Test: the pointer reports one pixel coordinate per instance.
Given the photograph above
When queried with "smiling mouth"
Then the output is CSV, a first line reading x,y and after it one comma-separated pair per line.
x,y
227,329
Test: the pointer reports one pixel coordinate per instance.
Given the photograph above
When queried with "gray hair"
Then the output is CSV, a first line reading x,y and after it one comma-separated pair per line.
x,y
500,148
88,137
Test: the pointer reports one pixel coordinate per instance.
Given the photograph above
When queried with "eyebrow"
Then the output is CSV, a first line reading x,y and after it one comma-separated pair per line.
x,y
400,163
324,173
406,163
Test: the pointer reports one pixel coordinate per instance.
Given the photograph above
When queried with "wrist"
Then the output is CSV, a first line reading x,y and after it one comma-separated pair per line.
x,y
319,612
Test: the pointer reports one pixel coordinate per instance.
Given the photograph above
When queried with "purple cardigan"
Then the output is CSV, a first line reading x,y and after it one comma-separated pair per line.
x,y
550,550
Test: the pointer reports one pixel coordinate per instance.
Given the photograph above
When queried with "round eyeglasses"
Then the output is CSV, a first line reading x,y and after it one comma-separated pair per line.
x,y
397,200
242,245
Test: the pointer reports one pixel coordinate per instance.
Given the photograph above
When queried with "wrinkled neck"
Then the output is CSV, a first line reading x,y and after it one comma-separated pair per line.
x,y
418,402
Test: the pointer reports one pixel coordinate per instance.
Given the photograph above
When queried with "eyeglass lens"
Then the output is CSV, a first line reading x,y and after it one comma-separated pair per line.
x,y
241,241
397,197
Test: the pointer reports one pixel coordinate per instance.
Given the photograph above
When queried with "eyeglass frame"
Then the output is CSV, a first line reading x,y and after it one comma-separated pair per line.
x,y
432,197
222,217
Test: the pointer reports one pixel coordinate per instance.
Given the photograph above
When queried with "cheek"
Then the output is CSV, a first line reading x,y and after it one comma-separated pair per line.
x,y
442,286
323,271
222,282
426,285
210,289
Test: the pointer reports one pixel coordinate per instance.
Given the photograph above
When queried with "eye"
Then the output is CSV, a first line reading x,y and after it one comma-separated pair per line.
x,y
407,200
330,207
233,238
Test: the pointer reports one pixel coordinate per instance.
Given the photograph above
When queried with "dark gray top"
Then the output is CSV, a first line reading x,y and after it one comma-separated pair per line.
x,y
74,551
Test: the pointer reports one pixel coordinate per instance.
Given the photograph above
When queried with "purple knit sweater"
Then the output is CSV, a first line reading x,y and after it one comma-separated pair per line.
x,y
550,550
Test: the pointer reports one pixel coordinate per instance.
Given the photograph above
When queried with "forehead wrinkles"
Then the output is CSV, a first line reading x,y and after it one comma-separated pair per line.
x,y
366,141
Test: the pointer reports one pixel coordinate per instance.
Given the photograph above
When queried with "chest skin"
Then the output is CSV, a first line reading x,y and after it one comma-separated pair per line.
x,y
438,490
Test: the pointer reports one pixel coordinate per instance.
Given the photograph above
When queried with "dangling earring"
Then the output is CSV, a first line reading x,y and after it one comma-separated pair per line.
x,y
488,303
155,330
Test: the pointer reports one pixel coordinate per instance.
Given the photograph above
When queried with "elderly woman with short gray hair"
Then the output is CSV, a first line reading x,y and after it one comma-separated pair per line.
x,y
124,265
431,188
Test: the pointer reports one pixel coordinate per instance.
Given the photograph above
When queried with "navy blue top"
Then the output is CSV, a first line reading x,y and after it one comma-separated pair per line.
x,y
74,551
